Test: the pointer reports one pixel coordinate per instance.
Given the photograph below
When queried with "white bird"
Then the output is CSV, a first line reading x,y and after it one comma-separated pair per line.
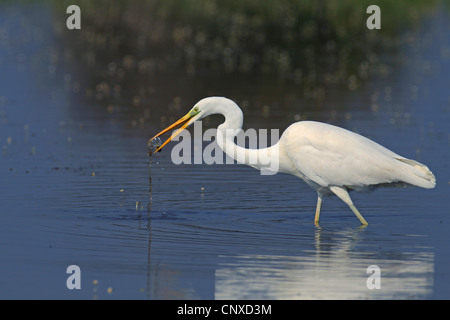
x,y
330,159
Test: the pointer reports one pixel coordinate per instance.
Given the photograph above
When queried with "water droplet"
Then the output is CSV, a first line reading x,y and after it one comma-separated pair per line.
x,y
153,144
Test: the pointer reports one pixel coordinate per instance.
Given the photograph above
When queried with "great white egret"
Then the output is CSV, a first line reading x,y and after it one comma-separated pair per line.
x,y
330,159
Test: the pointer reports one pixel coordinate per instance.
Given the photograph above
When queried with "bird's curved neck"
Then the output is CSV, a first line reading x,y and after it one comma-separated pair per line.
x,y
234,118
264,158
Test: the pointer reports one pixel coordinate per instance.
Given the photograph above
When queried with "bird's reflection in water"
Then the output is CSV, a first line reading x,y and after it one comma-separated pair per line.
x,y
334,270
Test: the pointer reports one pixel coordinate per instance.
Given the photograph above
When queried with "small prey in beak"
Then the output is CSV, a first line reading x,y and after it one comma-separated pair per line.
x,y
184,122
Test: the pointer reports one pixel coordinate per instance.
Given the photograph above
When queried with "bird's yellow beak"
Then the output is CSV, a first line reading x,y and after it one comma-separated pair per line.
x,y
188,119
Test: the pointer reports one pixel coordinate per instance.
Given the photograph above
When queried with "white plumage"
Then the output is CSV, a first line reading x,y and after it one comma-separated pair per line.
x,y
330,159
329,155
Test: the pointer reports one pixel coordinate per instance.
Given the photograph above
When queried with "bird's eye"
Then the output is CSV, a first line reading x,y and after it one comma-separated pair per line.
x,y
196,109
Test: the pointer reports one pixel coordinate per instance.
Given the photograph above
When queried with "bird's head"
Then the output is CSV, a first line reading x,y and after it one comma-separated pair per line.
x,y
203,108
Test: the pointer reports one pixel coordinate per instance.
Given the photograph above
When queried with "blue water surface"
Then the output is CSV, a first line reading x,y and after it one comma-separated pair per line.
x,y
74,190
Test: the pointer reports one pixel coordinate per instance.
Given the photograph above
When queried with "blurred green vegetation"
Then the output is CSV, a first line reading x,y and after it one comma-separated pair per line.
x,y
310,44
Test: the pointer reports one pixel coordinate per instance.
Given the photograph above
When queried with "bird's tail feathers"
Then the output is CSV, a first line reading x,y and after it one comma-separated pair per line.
x,y
418,174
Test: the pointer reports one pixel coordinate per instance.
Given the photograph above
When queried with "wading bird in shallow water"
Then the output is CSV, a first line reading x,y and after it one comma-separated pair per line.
x,y
330,159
